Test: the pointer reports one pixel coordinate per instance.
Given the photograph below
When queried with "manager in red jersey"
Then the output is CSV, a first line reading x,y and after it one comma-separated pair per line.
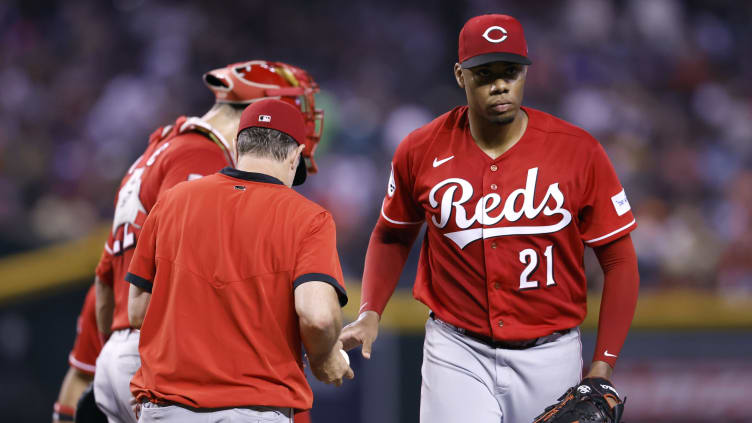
x,y
511,197
231,273
190,148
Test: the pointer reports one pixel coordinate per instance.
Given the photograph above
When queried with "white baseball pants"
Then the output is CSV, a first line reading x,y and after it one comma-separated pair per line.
x,y
151,412
465,380
116,365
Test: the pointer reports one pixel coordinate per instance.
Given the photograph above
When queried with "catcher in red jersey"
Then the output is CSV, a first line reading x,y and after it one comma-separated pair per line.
x,y
189,149
511,197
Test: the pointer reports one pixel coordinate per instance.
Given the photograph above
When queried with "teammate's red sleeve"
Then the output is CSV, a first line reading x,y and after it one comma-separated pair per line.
x,y
143,265
191,162
386,256
104,267
88,342
395,231
619,299
317,258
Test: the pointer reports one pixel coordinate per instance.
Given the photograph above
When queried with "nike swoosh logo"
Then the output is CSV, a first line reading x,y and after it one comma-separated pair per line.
x,y
608,355
437,163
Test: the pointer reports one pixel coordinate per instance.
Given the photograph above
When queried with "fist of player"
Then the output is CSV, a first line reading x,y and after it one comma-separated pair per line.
x,y
345,356
332,368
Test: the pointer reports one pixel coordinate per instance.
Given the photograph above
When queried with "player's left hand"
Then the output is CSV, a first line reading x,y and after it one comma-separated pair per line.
x,y
594,400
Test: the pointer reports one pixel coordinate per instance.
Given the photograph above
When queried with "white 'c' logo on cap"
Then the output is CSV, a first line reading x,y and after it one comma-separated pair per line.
x,y
495,28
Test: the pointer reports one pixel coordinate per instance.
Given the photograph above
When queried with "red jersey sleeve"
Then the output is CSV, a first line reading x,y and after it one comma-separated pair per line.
x,y
88,344
104,267
399,207
619,300
143,264
191,162
605,214
317,258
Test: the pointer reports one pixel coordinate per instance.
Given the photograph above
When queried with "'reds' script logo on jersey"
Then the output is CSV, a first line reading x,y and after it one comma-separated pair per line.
x,y
490,210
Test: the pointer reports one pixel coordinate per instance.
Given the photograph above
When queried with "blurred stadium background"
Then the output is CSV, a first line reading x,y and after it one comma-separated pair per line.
x,y
665,85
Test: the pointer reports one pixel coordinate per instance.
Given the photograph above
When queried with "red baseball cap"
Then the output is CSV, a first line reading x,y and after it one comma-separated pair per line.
x,y
281,116
492,38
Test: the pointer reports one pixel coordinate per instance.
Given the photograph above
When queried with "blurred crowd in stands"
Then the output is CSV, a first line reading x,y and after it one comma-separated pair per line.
x,y
665,85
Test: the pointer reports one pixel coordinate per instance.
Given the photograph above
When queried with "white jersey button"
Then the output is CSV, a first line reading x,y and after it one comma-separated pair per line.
x,y
494,168
501,323
494,186
493,245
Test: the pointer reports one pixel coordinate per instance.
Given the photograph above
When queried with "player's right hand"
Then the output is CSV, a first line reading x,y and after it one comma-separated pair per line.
x,y
332,368
361,332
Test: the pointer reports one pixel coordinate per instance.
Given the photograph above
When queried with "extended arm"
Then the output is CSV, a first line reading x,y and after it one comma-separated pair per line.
x,y
105,306
386,256
74,384
618,303
320,317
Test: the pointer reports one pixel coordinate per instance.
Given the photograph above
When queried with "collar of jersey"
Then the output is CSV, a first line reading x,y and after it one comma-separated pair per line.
x,y
196,124
250,176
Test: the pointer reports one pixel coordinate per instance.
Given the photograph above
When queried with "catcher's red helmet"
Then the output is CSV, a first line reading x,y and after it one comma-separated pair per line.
x,y
246,82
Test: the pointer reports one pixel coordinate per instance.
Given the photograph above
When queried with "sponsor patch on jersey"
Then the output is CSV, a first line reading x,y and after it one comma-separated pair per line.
x,y
392,186
621,204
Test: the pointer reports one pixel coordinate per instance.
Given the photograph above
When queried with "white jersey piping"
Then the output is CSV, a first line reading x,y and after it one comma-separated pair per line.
x,y
81,365
396,222
612,233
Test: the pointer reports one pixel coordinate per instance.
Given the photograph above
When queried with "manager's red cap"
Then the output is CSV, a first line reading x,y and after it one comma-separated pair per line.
x,y
492,38
281,116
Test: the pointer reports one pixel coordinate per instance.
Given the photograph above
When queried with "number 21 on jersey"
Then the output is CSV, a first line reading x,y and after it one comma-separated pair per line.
x,y
529,257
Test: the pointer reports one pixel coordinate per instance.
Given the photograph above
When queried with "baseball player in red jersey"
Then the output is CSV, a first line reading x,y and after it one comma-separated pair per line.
x,y
231,273
82,360
511,196
189,149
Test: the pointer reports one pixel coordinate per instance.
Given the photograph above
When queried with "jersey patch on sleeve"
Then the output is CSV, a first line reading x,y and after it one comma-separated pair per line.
x,y
194,176
392,186
621,204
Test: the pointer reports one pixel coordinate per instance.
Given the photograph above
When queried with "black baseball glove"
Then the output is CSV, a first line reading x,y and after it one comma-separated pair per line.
x,y
87,410
594,400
